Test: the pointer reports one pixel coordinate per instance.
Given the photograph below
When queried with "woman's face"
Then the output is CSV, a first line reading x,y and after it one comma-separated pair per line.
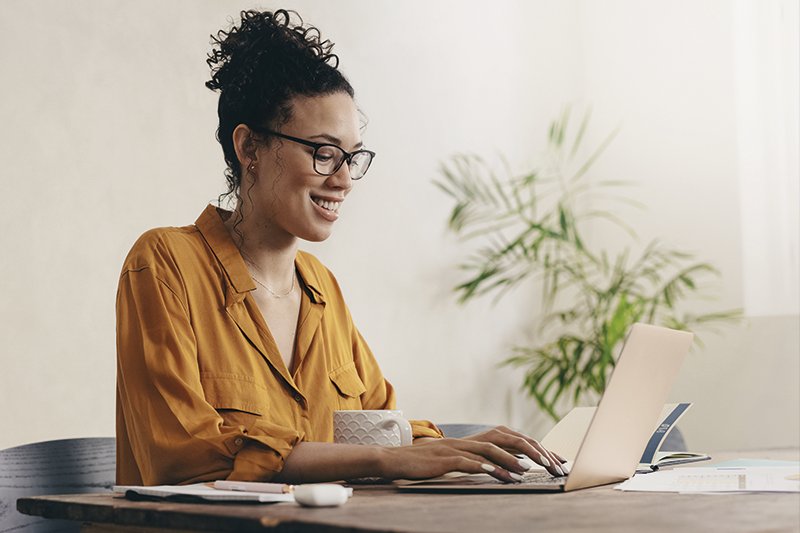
x,y
287,196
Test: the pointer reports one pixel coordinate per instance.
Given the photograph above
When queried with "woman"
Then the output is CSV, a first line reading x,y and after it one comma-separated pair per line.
x,y
235,348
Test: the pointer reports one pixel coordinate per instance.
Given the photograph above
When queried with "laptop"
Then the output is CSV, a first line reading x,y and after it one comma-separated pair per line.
x,y
620,428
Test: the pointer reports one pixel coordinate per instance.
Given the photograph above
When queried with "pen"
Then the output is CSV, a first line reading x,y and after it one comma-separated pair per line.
x,y
253,486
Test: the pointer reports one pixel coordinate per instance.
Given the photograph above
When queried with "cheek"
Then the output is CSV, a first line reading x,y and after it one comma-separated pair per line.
x,y
288,197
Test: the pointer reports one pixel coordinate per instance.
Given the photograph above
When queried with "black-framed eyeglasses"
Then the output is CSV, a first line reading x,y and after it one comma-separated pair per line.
x,y
328,158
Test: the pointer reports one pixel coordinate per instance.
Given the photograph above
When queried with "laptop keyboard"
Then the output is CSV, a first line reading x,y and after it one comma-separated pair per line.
x,y
542,478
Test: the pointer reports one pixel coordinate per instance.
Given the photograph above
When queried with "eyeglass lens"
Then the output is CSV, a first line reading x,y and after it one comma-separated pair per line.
x,y
328,159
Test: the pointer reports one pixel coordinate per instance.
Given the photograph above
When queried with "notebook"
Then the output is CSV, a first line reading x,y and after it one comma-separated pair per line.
x,y
619,430
567,435
198,492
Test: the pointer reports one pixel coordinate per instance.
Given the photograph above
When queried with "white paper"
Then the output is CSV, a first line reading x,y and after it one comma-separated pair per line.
x,y
710,479
203,491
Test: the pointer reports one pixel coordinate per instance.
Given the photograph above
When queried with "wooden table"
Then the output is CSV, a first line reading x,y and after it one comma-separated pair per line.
x,y
380,508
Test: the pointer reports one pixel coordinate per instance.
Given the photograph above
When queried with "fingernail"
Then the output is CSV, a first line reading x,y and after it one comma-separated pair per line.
x,y
544,460
558,469
564,469
515,477
527,464
487,467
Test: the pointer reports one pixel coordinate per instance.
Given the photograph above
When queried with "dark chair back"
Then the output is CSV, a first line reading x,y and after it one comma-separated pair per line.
x,y
52,467
459,431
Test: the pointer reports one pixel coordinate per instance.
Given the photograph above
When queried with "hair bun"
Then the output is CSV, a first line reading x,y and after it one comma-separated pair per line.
x,y
266,41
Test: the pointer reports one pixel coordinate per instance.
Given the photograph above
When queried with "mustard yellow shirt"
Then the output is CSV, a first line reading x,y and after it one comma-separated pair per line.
x,y
202,391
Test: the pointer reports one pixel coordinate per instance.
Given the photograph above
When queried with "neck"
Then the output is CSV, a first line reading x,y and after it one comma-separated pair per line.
x,y
270,250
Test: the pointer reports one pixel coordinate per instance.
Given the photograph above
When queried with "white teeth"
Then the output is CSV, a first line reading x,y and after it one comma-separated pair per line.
x,y
325,204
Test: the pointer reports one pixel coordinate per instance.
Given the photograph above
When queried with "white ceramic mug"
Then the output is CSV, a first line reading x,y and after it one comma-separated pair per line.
x,y
378,428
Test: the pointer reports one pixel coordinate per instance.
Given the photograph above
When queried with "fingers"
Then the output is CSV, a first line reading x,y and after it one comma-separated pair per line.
x,y
507,463
475,464
510,439
435,458
545,458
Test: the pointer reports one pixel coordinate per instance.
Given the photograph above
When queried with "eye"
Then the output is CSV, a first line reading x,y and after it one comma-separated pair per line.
x,y
325,154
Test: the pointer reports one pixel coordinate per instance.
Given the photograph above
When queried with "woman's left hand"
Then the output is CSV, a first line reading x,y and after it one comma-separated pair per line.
x,y
515,442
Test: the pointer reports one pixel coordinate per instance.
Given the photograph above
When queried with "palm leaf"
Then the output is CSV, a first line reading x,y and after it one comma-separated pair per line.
x,y
530,229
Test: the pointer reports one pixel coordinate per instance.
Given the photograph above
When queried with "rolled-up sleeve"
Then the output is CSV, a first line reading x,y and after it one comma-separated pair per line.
x,y
175,435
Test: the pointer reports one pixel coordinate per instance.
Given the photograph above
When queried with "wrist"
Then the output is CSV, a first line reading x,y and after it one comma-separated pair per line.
x,y
382,461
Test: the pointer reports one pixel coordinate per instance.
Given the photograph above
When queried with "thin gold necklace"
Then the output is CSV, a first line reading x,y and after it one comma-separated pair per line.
x,y
252,275
273,293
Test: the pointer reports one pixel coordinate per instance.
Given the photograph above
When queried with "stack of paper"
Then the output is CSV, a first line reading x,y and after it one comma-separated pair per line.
x,y
735,476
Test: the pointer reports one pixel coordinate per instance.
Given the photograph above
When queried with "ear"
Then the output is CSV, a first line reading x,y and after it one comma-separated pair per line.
x,y
244,145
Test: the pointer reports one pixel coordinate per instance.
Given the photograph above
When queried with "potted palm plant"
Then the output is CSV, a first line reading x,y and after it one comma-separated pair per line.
x,y
531,227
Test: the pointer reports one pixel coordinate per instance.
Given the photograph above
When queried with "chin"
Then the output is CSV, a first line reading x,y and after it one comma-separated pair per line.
x,y
316,236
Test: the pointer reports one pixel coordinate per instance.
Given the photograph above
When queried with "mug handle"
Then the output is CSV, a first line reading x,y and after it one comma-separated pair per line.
x,y
403,425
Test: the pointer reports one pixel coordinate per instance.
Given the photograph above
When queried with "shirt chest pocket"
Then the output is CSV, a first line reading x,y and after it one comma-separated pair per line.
x,y
239,400
348,386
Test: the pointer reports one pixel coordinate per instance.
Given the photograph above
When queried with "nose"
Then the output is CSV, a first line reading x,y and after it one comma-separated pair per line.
x,y
341,178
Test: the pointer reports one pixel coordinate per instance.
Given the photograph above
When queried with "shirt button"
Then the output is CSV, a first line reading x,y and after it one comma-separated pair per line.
x,y
238,441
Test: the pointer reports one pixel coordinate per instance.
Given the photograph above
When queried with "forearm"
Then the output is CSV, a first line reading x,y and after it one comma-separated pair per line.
x,y
314,462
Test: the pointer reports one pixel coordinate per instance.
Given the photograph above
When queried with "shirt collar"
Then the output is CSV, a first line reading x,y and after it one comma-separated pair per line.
x,y
213,230
219,240
309,276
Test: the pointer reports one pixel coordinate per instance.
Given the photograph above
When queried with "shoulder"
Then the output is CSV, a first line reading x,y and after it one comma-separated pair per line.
x,y
160,248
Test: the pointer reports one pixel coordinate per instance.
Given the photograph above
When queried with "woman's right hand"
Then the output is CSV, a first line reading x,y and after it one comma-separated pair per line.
x,y
437,457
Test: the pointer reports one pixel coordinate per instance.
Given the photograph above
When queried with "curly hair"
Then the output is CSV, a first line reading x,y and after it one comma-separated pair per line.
x,y
259,66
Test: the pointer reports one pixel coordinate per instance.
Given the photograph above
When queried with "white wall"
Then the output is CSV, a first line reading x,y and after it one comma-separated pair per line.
x,y
672,75
108,131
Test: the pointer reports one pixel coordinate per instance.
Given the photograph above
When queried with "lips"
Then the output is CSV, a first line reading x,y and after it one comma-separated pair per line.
x,y
327,208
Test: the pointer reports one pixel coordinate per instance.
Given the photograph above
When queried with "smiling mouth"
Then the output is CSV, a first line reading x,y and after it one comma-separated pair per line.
x,y
326,204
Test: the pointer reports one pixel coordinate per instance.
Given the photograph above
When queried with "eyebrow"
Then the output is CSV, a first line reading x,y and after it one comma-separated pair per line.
x,y
335,140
